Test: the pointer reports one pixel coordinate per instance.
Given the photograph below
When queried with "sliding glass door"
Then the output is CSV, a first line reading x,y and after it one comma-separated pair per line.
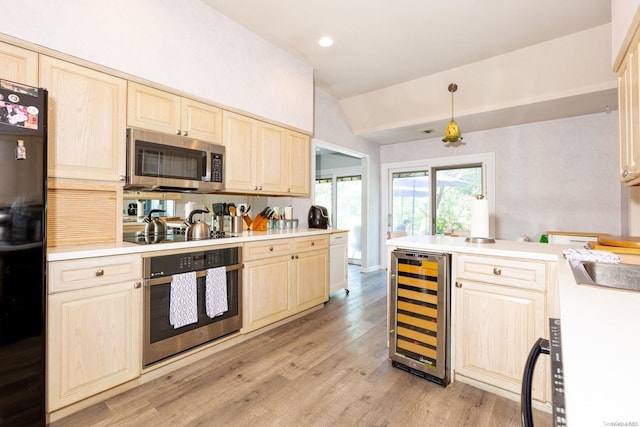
x,y
422,205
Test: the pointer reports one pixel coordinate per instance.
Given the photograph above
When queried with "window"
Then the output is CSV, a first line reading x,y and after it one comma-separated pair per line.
x,y
421,205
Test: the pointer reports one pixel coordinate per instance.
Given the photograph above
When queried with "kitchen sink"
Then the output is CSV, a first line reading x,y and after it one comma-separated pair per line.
x,y
610,275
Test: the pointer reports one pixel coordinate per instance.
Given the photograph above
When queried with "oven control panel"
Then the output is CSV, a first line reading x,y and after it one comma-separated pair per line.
x,y
167,265
557,374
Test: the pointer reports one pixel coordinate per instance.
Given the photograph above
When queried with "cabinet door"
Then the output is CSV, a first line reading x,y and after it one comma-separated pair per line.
x,y
266,291
18,65
338,266
240,135
273,159
201,121
94,341
153,109
495,329
299,164
87,121
311,280
629,117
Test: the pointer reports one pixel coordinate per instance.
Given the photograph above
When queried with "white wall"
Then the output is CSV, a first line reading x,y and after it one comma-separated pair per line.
x,y
183,44
554,175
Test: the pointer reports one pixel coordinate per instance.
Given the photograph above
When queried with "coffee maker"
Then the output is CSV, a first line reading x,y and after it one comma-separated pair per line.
x,y
319,217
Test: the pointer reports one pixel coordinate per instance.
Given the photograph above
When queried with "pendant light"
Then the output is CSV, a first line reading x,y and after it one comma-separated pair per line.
x,y
452,132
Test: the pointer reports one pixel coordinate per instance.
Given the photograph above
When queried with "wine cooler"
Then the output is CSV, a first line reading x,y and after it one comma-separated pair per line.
x,y
419,325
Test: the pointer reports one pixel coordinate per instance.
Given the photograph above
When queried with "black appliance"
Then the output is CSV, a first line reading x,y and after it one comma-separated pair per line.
x,y
161,339
172,235
318,217
23,156
553,347
419,308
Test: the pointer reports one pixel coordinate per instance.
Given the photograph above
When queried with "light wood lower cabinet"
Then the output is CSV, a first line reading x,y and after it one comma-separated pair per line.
x,y
283,277
94,330
500,312
496,327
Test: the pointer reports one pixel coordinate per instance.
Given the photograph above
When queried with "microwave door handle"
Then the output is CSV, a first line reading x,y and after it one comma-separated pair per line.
x,y
541,346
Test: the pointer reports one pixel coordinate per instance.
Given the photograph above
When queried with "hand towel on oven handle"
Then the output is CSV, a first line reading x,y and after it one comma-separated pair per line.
x,y
216,301
183,300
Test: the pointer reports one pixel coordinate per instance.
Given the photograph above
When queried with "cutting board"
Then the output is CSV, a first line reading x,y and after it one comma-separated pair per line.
x,y
614,249
622,241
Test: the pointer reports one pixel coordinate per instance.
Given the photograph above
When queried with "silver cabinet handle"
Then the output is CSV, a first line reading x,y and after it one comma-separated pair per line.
x,y
178,132
497,271
137,285
185,133
122,178
99,272
458,284
625,173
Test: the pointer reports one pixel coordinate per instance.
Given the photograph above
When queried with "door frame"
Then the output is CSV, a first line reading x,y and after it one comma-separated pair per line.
x,y
366,222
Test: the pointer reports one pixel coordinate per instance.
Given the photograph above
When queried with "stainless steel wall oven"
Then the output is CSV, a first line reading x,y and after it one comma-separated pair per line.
x,y
161,338
419,324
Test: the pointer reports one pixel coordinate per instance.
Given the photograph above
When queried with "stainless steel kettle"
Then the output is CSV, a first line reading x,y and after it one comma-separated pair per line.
x,y
154,226
197,230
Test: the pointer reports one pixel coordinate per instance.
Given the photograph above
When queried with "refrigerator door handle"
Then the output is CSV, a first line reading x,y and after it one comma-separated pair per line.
x,y
541,346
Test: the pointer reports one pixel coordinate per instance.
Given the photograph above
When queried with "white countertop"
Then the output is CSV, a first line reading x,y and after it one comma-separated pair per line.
x,y
600,333
62,253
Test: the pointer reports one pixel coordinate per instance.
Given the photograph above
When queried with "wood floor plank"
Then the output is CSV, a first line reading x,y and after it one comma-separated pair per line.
x,y
330,368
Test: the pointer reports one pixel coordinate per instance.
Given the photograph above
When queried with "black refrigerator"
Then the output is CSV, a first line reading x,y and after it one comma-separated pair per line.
x,y
23,157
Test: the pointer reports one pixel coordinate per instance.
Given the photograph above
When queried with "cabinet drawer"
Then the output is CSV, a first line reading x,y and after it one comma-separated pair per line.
x,y
312,243
338,238
266,249
89,272
503,271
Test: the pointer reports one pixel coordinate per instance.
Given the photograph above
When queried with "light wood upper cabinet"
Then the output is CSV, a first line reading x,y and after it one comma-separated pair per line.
x,y
18,65
87,121
299,163
240,136
264,158
154,109
273,159
629,118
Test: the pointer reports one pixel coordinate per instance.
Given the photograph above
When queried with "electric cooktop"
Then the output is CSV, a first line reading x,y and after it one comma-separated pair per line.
x,y
141,238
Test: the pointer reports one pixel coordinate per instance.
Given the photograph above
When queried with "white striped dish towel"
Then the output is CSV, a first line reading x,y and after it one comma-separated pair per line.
x,y
183,300
216,301
574,254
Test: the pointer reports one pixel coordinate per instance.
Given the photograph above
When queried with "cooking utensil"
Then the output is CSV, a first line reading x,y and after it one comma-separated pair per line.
x,y
154,226
197,230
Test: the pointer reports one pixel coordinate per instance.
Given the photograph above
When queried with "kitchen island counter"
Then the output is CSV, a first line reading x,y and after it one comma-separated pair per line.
x,y
600,339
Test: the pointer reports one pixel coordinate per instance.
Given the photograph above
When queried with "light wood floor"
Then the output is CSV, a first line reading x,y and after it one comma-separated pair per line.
x,y
330,368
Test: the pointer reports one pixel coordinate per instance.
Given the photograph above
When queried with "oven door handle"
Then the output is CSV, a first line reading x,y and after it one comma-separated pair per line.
x,y
540,347
200,273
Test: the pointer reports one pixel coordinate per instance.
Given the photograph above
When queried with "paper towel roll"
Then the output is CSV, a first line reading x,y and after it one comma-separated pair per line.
x,y
288,212
479,218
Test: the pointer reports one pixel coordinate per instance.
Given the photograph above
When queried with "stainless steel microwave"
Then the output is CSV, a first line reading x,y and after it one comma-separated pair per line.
x,y
164,162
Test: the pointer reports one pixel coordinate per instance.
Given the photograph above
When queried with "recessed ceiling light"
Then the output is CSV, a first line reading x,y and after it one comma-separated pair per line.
x,y
325,41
